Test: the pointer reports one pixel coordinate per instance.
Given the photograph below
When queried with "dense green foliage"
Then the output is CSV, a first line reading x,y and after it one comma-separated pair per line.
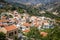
x,y
20,10
15,38
2,36
10,16
33,11
51,15
53,34
34,33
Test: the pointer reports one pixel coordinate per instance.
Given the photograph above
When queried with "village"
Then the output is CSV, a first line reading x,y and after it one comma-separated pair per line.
x,y
12,22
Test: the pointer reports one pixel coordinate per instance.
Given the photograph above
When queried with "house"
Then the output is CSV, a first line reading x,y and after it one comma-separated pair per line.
x,y
10,31
33,18
26,31
44,34
27,25
4,21
3,17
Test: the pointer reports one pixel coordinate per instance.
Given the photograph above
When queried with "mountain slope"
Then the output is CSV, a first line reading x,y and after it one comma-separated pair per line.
x,y
33,1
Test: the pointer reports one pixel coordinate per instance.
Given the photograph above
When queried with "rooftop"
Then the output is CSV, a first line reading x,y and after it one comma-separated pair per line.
x,y
26,24
10,28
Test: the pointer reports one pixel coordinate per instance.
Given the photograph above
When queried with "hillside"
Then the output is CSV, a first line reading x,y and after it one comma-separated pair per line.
x,y
33,1
32,10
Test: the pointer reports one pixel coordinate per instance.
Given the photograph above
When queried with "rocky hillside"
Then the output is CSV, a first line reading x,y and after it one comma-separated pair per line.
x,y
33,1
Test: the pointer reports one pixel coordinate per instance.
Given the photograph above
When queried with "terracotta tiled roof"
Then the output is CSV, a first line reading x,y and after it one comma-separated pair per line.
x,y
10,28
36,23
44,34
4,20
26,24
4,17
0,20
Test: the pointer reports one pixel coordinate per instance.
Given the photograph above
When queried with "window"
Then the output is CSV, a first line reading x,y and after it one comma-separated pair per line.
x,y
11,34
15,32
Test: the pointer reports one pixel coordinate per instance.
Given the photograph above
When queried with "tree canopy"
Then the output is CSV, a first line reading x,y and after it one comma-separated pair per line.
x,y
2,36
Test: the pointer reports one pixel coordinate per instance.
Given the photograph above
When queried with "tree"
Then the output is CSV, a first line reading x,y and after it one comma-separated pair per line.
x,y
33,34
54,34
15,38
10,16
33,11
20,10
2,36
13,8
